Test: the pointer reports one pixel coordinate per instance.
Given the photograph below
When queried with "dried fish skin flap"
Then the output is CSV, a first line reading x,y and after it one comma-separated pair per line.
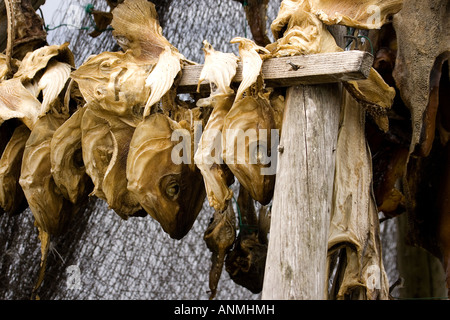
x,y
354,218
170,191
218,70
43,196
11,194
250,56
66,158
375,95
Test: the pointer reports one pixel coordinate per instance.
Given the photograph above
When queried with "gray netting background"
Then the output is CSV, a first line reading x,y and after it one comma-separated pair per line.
x,y
132,259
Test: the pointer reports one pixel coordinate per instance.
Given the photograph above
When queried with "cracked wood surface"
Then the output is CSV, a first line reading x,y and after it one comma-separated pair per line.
x,y
296,70
303,194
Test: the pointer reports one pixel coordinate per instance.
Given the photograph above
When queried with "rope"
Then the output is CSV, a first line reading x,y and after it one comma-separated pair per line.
x,y
243,226
89,10
244,4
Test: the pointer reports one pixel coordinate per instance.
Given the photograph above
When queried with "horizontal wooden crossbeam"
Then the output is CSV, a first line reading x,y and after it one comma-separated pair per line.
x,y
295,70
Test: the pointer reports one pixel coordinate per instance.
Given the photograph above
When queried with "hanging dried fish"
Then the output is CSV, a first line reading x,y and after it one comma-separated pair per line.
x,y
12,199
137,29
45,70
219,237
43,196
299,29
219,69
170,189
354,218
246,262
248,128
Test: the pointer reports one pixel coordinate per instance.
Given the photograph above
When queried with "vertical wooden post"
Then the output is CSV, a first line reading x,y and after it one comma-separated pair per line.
x,y
297,253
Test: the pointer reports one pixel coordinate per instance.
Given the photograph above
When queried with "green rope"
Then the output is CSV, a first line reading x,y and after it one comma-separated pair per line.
x,y
88,9
243,226
370,42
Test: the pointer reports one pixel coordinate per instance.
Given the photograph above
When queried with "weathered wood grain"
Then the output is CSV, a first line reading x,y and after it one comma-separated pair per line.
x,y
296,70
297,252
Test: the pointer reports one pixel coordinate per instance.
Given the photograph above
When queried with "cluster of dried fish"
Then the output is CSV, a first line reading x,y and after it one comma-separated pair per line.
x,y
248,112
112,129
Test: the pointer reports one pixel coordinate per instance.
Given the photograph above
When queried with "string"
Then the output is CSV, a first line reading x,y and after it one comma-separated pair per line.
x,y
243,226
244,4
88,9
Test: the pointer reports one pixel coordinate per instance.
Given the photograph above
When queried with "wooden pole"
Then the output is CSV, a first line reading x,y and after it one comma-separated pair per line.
x,y
297,252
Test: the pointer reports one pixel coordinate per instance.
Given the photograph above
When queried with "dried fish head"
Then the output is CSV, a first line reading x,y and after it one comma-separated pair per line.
x,y
43,196
219,69
114,80
97,148
247,143
136,28
171,192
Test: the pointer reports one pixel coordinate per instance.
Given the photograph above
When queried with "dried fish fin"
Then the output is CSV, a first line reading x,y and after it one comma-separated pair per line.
x,y
219,238
250,55
68,169
11,194
162,77
53,82
218,70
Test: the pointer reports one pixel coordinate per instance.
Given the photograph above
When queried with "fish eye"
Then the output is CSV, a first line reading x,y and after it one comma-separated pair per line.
x,y
105,65
173,189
